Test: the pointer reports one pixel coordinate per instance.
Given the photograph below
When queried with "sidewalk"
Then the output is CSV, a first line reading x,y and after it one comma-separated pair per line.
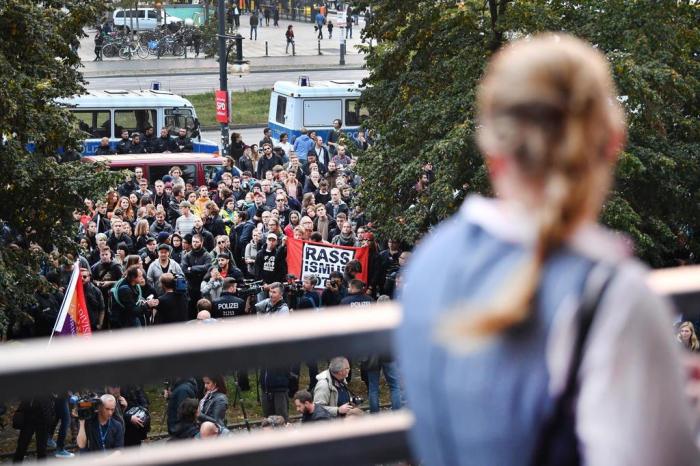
x,y
307,54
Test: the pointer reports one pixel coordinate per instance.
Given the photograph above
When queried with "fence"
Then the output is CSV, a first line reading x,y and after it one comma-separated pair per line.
x,y
135,356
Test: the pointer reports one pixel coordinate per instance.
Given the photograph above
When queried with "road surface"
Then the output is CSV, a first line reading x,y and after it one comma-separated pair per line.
x,y
200,83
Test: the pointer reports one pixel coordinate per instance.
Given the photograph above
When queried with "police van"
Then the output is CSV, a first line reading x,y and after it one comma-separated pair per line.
x,y
314,106
107,113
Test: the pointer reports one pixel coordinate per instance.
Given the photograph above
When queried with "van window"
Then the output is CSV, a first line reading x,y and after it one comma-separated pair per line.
x,y
179,118
152,14
94,122
281,109
210,171
322,112
157,172
141,14
119,14
133,120
354,114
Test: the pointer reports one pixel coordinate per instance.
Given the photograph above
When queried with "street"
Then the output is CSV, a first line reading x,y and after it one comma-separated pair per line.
x,y
206,82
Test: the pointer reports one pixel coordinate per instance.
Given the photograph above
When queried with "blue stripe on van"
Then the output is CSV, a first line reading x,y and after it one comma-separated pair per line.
x,y
206,147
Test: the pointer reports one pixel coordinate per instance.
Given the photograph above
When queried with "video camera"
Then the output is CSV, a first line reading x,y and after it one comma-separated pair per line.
x,y
249,288
87,405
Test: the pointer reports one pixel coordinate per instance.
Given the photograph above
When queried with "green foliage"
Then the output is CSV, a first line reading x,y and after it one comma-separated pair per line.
x,y
426,61
40,189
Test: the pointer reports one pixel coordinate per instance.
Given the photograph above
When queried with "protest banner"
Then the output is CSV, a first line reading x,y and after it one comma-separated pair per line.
x,y
320,259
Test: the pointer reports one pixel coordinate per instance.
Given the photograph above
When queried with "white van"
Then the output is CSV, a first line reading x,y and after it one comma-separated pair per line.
x,y
143,18
106,113
314,106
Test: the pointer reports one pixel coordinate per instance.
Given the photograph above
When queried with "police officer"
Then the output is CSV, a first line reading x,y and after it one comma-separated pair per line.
x,y
228,304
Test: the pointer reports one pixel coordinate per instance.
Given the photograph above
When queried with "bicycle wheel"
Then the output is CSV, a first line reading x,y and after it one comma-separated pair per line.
x,y
178,50
141,51
110,51
126,52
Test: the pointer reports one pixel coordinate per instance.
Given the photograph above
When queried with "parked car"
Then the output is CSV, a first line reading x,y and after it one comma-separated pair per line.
x,y
144,19
197,169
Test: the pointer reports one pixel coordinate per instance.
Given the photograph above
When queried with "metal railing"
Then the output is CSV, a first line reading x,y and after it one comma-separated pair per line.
x,y
139,356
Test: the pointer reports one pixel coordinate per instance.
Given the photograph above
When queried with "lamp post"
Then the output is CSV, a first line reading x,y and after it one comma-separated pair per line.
x,y
223,78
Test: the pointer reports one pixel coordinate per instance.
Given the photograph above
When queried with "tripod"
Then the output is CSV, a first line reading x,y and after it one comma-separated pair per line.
x,y
236,397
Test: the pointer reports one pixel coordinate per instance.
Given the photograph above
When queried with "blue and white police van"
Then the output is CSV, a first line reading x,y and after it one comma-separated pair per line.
x,y
107,113
314,106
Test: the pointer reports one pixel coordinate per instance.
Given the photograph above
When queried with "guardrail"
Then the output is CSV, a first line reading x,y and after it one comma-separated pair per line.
x,y
139,356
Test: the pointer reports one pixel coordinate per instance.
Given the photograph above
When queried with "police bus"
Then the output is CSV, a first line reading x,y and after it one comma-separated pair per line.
x,y
107,113
314,106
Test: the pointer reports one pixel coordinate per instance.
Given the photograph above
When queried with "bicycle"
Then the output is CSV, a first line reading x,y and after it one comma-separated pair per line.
x,y
128,50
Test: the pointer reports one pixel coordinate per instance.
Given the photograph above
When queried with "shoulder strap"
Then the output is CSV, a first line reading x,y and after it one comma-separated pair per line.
x,y
557,443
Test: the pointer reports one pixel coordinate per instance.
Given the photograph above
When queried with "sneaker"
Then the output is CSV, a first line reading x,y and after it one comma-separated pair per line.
x,y
64,454
50,443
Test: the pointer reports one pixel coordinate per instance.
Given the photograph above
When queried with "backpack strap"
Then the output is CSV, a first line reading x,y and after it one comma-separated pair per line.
x,y
557,442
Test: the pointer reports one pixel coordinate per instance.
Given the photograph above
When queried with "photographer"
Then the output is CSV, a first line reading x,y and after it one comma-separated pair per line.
x,y
332,392
310,298
100,432
335,290
275,303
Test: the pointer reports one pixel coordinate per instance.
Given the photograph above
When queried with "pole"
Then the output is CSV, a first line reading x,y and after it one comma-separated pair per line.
x,y
223,81
266,54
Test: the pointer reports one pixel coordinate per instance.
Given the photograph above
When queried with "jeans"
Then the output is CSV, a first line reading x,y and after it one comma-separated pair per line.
x,y
391,374
63,419
253,29
348,31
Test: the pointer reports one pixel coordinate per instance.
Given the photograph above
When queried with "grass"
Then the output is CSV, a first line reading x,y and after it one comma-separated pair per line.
x,y
234,415
249,107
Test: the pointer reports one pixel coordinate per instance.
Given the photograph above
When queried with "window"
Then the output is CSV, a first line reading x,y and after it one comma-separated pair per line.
x,y
176,118
322,112
141,14
94,122
133,120
354,114
157,172
281,109
210,172
152,14
119,14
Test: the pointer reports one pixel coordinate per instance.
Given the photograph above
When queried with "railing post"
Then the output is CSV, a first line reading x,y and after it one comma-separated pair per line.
x,y
319,47
266,54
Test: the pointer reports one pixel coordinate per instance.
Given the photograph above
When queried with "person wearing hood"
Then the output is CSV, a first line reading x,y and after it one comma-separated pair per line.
x,y
195,266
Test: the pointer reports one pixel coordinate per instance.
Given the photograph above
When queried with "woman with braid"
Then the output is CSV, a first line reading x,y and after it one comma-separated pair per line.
x,y
529,335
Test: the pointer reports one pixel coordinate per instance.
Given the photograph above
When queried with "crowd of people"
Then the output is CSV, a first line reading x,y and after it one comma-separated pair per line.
x,y
165,251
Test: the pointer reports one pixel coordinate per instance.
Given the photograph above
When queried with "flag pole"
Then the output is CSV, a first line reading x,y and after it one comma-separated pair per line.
x,y
67,298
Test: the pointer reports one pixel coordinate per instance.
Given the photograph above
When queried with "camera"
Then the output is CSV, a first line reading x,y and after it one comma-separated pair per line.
x,y
250,288
356,400
86,406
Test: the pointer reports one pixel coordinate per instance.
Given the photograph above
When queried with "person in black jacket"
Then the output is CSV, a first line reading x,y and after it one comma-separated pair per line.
x,y
356,296
181,390
135,428
104,148
94,300
195,266
275,387
228,305
270,264
164,143
149,138
335,290
182,142
132,308
172,305
236,147
268,161
212,407
186,426
124,144
37,414
137,147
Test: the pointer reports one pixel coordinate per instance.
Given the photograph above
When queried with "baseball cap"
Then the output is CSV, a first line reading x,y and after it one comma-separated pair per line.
x,y
150,239
224,255
165,246
162,236
271,235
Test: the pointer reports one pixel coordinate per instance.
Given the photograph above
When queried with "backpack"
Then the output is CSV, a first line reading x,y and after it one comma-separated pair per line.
x,y
180,284
117,311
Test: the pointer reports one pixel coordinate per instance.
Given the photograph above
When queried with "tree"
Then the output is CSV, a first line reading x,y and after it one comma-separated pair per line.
x,y
39,184
424,70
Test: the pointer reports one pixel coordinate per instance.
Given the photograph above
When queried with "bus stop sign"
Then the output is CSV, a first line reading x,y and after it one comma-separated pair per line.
x,y
222,106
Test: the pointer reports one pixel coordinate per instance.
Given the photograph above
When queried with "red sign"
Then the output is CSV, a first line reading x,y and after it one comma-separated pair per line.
x,y
222,106
320,259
